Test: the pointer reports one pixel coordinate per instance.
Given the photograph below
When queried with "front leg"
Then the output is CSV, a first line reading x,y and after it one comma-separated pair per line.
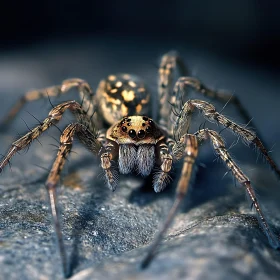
x,y
66,140
219,147
107,154
162,177
188,147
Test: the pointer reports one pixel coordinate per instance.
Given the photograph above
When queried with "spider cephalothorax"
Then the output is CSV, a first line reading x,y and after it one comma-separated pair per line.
x,y
137,130
134,140
138,139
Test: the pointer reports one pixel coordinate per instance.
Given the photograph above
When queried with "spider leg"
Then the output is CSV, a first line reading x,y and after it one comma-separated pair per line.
x,y
107,156
162,177
209,111
108,153
183,82
169,63
219,147
54,116
86,94
190,148
66,139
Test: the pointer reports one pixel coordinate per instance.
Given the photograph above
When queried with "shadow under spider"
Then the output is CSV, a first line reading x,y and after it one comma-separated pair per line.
x,y
86,213
145,194
208,185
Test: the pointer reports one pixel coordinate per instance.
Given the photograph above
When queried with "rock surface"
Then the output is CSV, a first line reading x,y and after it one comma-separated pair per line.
x,y
214,236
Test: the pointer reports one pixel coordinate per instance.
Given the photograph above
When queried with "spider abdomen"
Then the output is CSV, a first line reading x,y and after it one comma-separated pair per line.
x,y
122,95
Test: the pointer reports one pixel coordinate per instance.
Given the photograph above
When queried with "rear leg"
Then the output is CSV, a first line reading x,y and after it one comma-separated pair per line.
x,y
221,96
86,94
170,62
180,90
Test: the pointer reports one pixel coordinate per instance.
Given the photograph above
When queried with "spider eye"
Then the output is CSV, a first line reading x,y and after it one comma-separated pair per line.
x,y
141,134
124,129
148,129
132,133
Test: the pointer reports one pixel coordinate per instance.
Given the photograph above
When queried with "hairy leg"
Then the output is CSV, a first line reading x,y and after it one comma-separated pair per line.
x,y
209,111
190,145
219,147
66,140
54,116
86,94
162,177
107,156
170,62
221,96
92,144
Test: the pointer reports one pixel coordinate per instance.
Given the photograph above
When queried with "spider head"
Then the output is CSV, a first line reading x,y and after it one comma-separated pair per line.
x,y
135,130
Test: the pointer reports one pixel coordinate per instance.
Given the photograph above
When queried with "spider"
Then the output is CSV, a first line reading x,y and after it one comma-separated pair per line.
x,y
136,142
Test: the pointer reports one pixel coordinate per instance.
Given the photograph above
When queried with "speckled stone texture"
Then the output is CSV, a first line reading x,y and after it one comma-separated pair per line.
x,y
214,236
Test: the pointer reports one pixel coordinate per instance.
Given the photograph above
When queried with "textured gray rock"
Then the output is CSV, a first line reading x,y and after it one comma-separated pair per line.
x,y
214,236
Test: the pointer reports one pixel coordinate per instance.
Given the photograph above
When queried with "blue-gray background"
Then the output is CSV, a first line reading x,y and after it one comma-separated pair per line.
x,y
246,30
231,45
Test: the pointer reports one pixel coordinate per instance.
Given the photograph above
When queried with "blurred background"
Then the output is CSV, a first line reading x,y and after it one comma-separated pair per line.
x,y
242,30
